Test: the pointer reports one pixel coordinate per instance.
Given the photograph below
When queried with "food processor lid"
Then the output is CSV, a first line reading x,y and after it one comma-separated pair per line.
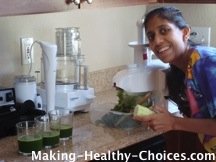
x,y
67,29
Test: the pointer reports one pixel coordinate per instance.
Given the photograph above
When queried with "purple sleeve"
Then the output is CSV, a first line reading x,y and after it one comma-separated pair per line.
x,y
205,74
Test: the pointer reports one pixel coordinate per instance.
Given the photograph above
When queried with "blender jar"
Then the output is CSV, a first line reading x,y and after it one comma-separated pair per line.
x,y
25,88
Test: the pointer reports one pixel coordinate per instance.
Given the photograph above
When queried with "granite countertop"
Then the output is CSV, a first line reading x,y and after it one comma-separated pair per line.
x,y
86,136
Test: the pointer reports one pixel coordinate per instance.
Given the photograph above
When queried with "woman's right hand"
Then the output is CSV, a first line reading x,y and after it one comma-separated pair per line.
x,y
161,121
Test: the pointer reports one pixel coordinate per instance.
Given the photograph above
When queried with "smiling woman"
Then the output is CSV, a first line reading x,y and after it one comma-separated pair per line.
x,y
168,35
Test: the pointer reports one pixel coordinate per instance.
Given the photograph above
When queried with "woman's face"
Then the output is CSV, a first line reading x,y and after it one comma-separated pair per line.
x,y
167,41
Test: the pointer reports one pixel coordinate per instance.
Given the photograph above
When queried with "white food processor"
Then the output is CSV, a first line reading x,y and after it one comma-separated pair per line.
x,y
71,87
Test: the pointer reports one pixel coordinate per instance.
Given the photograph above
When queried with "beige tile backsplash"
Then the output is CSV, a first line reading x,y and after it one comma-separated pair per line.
x,y
101,80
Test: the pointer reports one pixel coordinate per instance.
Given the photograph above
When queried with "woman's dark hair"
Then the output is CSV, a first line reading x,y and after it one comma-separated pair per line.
x,y
169,13
176,87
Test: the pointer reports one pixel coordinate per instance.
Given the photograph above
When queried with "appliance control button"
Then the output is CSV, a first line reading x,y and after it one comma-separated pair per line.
x,y
9,96
39,105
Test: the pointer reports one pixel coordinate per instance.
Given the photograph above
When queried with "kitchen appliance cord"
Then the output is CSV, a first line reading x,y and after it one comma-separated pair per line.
x,y
31,48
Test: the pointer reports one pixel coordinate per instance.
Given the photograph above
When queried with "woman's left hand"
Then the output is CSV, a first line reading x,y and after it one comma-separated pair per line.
x,y
161,121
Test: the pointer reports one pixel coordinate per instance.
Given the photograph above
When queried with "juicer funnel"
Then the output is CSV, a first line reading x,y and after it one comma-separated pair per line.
x,y
49,52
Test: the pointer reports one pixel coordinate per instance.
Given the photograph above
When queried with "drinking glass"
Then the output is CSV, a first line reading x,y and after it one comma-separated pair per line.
x,y
29,137
50,130
66,122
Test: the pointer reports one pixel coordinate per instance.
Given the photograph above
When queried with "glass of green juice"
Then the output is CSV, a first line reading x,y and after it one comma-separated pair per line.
x,y
66,122
50,135
29,137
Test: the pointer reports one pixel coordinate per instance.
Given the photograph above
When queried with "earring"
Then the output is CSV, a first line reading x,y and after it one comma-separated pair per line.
x,y
186,38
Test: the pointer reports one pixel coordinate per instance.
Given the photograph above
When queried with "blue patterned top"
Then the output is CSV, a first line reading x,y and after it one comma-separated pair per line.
x,y
200,83
201,79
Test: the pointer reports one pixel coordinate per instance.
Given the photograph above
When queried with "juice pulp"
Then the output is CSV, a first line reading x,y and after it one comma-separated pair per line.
x,y
29,143
50,138
65,131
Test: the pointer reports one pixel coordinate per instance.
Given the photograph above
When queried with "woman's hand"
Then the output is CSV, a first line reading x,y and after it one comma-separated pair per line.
x,y
161,121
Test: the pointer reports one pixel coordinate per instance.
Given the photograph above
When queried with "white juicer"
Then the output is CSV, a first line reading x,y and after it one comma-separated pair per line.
x,y
145,74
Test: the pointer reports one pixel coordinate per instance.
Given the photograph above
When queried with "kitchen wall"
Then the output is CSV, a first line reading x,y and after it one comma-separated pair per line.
x,y
105,34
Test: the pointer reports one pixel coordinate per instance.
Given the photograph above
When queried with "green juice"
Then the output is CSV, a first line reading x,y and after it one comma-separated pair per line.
x,y
50,139
29,143
65,131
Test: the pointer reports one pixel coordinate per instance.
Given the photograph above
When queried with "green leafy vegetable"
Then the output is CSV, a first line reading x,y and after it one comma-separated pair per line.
x,y
127,102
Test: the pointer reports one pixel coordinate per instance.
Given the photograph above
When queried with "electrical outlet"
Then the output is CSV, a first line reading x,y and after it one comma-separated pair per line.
x,y
26,50
201,35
